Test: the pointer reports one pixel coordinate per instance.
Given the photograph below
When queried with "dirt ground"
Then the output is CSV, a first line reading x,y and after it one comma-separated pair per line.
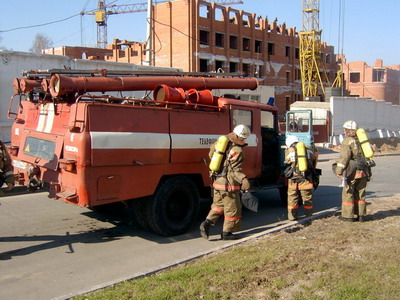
x,y
383,146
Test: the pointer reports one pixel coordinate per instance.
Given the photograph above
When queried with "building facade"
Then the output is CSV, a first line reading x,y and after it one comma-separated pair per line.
x,y
378,82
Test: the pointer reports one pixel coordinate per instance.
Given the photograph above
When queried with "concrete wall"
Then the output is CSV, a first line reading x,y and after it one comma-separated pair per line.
x,y
379,118
261,94
12,63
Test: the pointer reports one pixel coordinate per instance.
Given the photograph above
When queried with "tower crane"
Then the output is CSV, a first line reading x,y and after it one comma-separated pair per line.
x,y
311,61
310,50
104,10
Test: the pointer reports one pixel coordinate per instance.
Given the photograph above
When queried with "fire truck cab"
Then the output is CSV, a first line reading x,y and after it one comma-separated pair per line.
x,y
90,148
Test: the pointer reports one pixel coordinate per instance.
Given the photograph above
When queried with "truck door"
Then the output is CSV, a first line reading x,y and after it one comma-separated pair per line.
x,y
251,118
299,123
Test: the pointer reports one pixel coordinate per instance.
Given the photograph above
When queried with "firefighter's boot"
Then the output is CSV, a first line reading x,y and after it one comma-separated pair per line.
x,y
205,228
228,236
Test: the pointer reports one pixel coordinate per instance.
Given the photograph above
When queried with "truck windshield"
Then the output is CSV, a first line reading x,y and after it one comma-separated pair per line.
x,y
39,148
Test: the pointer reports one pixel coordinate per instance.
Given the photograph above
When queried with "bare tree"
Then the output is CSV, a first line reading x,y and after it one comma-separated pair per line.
x,y
40,43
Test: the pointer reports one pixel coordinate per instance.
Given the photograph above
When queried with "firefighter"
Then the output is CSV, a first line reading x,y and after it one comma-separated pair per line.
x,y
300,183
355,182
227,185
6,168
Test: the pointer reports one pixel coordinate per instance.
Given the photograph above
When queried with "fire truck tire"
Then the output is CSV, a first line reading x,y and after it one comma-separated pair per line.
x,y
139,207
174,206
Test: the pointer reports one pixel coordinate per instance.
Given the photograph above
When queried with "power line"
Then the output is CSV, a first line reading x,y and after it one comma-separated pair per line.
x,y
39,25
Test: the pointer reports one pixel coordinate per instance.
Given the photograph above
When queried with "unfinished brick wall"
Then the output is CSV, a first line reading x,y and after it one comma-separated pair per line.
x,y
198,36
378,82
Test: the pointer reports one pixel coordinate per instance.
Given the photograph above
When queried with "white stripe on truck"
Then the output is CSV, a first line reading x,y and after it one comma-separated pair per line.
x,y
141,140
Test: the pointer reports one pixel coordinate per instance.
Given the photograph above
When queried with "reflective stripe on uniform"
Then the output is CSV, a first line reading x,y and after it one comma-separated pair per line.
x,y
348,203
308,207
233,218
226,187
359,174
361,201
296,186
217,210
292,207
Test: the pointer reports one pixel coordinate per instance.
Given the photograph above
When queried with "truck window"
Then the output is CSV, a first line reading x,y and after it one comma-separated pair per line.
x,y
40,148
242,117
298,121
267,119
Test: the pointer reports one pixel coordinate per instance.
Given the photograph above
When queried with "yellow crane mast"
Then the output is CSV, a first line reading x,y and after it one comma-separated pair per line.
x,y
310,51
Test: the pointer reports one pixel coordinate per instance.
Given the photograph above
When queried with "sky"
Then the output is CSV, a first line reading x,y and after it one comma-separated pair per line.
x,y
363,30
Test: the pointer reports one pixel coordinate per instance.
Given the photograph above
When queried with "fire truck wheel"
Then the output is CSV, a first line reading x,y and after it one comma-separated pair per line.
x,y
174,207
139,207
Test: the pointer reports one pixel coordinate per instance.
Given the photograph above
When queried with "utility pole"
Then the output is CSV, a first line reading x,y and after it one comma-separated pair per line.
x,y
149,44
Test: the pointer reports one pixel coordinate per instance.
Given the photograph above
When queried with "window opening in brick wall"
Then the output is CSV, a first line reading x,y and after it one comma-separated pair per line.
x,y
287,77
271,48
233,67
203,65
233,42
328,58
219,14
378,75
287,51
233,17
246,20
246,44
204,11
355,77
287,102
296,53
258,46
219,66
246,69
297,74
204,37
219,39
259,71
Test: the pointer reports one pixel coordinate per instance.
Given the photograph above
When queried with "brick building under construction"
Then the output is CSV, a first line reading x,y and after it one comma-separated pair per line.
x,y
200,36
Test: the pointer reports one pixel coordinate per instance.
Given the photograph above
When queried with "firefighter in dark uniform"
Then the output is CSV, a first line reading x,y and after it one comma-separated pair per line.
x,y
300,184
227,186
6,168
356,176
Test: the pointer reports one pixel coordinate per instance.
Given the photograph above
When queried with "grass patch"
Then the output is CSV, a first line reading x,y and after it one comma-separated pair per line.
x,y
326,260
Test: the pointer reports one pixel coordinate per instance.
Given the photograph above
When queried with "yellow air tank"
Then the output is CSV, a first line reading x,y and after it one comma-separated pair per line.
x,y
219,153
301,156
365,145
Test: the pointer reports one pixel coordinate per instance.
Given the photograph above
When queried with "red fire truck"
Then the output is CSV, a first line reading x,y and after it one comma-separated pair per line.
x,y
91,148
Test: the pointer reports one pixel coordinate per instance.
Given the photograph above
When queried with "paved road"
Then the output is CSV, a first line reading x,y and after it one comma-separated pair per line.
x,y
53,250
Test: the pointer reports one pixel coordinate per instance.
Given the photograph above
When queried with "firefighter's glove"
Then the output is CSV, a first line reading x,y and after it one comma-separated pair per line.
x,y
245,184
337,170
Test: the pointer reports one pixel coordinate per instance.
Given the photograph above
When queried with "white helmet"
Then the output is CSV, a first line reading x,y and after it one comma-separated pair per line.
x,y
290,140
242,131
350,125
